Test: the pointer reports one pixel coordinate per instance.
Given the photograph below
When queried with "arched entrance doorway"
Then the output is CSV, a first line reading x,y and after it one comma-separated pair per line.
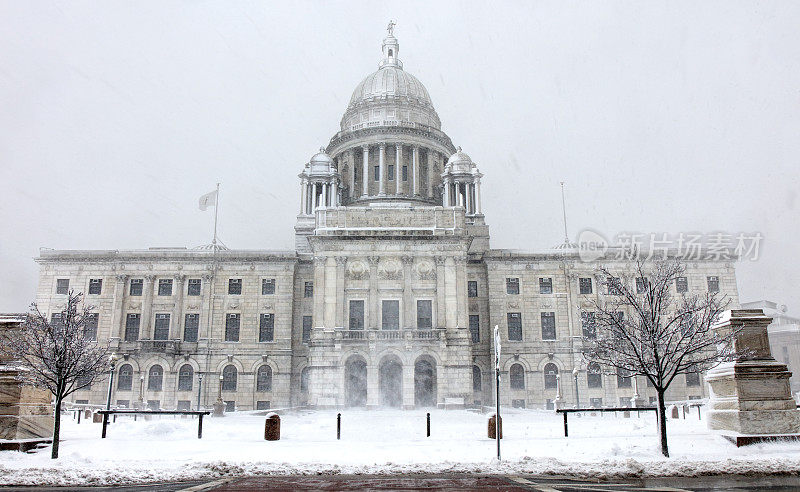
x,y
355,381
391,382
425,382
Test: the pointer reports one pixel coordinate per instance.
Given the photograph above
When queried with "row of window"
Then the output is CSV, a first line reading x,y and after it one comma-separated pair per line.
x,y
376,176
516,376
390,314
155,378
191,325
514,323
193,286
585,285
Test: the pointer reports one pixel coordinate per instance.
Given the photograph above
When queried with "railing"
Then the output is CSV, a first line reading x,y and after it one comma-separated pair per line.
x,y
407,334
162,346
353,334
389,335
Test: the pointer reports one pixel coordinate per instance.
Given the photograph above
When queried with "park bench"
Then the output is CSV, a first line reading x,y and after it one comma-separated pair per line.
x,y
200,414
567,411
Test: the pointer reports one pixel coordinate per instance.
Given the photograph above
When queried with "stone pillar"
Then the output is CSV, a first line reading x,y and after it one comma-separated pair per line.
x,y
478,209
330,293
334,194
429,165
365,172
208,299
341,262
462,315
324,202
302,195
408,386
353,193
177,311
446,192
414,169
145,333
751,398
398,157
373,387
382,169
440,294
408,301
374,322
117,326
320,263
451,302
25,411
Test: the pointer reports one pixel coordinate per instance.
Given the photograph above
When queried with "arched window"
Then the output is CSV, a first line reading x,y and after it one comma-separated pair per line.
x,y
264,379
476,378
125,381
229,375
593,377
391,52
550,373
155,378
185,377
516,376
304,380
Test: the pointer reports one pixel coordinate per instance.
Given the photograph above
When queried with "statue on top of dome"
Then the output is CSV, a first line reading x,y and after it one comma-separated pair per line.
x,y
390,28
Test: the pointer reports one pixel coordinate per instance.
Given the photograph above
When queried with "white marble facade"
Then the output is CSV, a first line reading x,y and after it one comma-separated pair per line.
x,y
388,298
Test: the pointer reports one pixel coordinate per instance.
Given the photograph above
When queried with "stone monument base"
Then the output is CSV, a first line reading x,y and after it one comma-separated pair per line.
x,y
25,411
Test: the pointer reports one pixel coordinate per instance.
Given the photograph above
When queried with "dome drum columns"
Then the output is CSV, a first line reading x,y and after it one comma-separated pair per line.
x,y
461,184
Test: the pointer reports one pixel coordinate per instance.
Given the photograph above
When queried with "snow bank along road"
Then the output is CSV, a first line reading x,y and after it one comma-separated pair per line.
x,y
388,442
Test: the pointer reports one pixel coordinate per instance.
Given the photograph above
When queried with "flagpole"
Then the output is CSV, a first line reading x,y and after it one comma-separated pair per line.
x,y
216,213
497,427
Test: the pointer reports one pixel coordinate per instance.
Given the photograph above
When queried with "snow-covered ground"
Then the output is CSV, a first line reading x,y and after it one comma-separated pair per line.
x,y
387,441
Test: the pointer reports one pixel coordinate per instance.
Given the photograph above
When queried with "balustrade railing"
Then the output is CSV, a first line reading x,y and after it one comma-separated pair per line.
x,y
407,334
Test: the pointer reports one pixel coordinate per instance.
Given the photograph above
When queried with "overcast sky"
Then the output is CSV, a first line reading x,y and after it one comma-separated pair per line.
x,y
660,117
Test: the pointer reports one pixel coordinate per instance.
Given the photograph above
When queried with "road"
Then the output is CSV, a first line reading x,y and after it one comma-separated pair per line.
x,y
452,482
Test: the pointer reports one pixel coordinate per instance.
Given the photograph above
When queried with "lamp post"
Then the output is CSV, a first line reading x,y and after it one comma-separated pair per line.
x,y
141,392
113,360
577,396
559,399
199,386
219,405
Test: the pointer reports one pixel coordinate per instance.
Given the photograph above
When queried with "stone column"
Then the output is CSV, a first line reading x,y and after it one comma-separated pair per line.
x,y
117,329
373,386
374,323
330,293
324,195
208,298
353,193
478,208
446,192
319,291
414,169
382,169
147,308
408,386
751,396
408,301
334,194
341,263
462,315
177,311
440,297
451,306
429,165
302,195
365,173
398,157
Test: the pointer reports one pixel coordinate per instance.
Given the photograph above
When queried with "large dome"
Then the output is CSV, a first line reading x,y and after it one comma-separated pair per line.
x,y
390,96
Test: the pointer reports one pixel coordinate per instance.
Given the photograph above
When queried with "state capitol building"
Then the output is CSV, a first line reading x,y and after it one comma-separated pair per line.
x,y
389,298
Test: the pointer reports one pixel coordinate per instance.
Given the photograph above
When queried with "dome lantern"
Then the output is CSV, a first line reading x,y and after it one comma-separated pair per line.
x,y
390,49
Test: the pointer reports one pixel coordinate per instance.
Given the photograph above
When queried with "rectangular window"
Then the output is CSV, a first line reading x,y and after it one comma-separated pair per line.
x,y
390,315
90,328
195,287
230,406
613,286
475,327
517,403
161,331
123,403
549,326
405,173
267,286
390,172
514,321
232,323
624,402
623,379
549,405
308,289
154,404
234,286
307,328
681,284
356,315
472,288
585,285
132,327
191,325
713,284
165,287
266,327
596,402
641,285
376,173
512,286
692,379
95,286
262,405
424,314
136,287
62,286
184,405
589,325
545,286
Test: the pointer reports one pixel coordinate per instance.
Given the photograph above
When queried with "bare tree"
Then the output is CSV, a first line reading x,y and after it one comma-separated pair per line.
x,y
60,355
646,328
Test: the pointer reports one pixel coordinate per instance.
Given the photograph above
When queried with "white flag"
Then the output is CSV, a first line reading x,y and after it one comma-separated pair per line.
x,y
497,347
208,200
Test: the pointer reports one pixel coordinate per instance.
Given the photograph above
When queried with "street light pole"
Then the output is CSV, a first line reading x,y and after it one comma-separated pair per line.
x,y
141,392
113,360
497,388
199,386
577,397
